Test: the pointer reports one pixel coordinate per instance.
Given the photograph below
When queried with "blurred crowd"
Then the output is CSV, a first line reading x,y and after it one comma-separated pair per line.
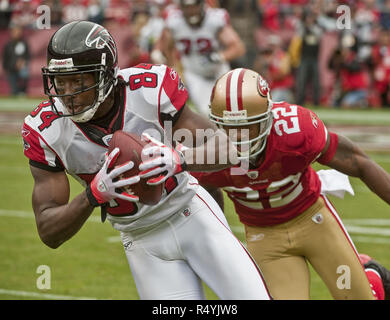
x,y
295,37
288,42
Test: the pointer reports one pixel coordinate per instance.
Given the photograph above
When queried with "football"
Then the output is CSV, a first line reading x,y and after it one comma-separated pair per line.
x,y
130,146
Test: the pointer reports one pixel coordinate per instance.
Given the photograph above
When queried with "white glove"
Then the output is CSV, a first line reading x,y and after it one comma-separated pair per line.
x,y
166,161
215,57
102,188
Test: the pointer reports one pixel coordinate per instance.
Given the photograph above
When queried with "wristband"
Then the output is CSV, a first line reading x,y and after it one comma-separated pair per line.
x,y
92,200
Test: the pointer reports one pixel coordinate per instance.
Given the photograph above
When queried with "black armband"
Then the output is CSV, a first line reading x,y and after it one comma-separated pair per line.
x,y
92,200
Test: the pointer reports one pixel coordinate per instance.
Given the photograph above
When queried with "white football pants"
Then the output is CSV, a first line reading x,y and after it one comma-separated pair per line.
x,y
169,261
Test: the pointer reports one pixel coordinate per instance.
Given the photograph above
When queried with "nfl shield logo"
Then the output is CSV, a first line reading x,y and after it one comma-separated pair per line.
x,y
186,212
253,174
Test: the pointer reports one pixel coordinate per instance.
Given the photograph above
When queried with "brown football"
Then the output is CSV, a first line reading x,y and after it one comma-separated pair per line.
x,y
130,146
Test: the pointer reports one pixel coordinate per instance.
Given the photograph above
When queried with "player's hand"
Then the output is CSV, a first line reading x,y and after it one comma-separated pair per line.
x,y
165,162
102,187
215,57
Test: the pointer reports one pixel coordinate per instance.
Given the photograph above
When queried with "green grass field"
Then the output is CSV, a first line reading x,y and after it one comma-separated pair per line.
x,y
93,263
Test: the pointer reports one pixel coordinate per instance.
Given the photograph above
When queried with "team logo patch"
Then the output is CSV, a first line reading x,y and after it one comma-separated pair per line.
x,y
253,174
99,38
318,218
173,74
25,132
102,187
314,121
180,85
262,86
106,139
128,245
186,212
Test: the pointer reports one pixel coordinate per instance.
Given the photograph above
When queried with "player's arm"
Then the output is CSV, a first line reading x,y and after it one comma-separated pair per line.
x,y
351,160
203,141
164,49
56,219
208,142
233,47
217,194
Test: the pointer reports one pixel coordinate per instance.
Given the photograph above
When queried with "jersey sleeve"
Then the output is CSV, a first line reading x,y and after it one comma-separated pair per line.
x,y
221,18
315,134
38,152
212,179
299,131
326,157
172,97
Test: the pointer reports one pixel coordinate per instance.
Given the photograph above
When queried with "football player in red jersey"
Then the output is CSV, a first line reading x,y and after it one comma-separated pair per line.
x,y
170,246
289,222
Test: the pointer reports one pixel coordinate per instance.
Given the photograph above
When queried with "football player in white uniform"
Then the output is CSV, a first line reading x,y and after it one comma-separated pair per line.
x,y
170,246
206,43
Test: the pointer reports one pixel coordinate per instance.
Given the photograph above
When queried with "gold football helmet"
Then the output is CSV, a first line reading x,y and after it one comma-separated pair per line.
x,y
241,99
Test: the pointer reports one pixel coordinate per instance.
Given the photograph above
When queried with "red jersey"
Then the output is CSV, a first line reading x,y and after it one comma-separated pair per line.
x,y
284,185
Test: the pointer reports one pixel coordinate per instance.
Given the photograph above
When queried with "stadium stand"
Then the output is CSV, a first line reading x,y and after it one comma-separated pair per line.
x,y
256,20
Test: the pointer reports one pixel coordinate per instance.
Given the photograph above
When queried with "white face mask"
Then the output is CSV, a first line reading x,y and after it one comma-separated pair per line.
x,y
250,148
89,112
85,116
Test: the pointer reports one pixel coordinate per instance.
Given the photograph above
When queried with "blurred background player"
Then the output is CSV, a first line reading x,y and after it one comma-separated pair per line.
x,y
16,60
280,199
202,41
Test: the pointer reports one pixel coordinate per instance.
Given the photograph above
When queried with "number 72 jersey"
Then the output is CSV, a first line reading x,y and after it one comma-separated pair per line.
x,y
284,184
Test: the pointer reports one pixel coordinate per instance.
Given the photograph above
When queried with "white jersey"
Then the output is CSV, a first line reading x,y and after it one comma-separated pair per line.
x,y
194,44
154,93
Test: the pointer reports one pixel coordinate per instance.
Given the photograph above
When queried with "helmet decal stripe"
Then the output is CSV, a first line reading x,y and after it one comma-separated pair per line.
x,y
234,88
228,85
239,89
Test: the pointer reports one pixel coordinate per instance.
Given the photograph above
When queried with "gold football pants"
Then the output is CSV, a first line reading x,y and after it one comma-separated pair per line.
x,y
316,236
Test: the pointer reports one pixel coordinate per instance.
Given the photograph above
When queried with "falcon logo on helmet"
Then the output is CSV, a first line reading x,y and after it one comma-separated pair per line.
x,y
241,99
99,37
262,86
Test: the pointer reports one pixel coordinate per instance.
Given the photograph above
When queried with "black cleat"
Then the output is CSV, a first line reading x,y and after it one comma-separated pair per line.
x,y
383,272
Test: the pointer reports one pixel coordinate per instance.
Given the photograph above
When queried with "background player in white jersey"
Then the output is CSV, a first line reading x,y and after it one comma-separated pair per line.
x,y
169,246
203,41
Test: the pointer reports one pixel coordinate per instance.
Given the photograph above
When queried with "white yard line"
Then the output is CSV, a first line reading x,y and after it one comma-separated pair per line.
x,y
41,295
377,240
353,226
30,214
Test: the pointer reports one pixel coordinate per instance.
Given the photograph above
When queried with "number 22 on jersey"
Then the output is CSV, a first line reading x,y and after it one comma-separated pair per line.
x,y
289,124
